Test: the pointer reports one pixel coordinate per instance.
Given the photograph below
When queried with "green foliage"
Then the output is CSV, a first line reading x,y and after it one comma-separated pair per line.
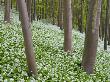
x,y
52,63
44,10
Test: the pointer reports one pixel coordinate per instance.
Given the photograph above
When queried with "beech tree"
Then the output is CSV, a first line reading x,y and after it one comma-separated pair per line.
x,y
34,10
46,14
60,14
91,39
29,8
67,25
109,22
80,16
106,26
27,37
52,5
7,11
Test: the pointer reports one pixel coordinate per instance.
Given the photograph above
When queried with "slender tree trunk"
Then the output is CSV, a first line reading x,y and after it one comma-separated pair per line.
x,y
60,14
26,29
46,14
102,22
38,11
11,4
34,14
80,20
91,39
109,22
101,28
67,25
33,10
43,8
16,6
52,10
7,11
106,26
29,8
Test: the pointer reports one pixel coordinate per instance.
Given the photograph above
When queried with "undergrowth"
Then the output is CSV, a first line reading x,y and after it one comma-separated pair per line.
x,y
53,64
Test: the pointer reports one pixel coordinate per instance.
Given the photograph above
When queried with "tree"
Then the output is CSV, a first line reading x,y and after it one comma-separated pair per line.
x,y
46,14
7,11
80,20
27,37
67,25
34,10
60,14
52,3
101,28
29,8
109,22
106,26
91,39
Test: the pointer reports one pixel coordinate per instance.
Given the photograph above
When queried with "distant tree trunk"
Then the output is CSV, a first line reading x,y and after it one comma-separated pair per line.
x,y
67,25
101,28
43,3
106,26
102,23
27,37
16,6
60,14
108,22
38,11
34,15
80,20
11,4
29,8
33,10
46,14
52,10
7,11
91,39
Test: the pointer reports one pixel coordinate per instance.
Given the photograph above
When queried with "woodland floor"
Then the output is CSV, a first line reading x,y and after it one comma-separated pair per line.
x,y
53,64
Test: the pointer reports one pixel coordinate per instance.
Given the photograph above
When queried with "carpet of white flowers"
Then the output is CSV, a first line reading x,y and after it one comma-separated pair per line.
x,y
53,64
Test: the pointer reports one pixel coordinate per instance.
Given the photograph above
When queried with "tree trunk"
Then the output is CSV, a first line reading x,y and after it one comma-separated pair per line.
x,y
80,20
29,9
67,25
60,14
109,22
46,14
27,37
106,27
11,4
33,10
91,39
7,11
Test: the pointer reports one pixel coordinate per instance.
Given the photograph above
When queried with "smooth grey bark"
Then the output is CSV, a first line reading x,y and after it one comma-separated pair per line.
x,y
60,14
91,39
106,26
7,11
108,22
26,29
67,25
29,8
